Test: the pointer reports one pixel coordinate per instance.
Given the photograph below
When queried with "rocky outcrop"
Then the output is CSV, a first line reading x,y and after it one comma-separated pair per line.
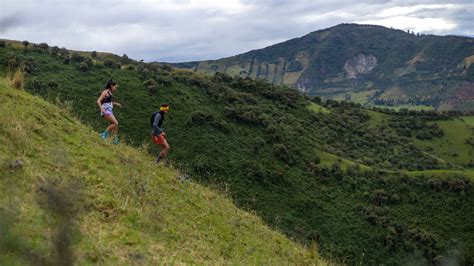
x,y
360,64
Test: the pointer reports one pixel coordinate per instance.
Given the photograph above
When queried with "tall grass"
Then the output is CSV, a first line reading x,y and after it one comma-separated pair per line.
x,y
16,77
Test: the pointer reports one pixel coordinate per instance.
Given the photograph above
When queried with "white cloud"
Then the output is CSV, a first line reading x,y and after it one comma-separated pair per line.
x,y
315,17
227,6
406,10
419,25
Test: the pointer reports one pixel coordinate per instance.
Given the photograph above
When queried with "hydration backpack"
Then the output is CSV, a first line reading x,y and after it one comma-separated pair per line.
x,y
152,119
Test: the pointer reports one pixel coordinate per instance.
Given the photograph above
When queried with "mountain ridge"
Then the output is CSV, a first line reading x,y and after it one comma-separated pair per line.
x,y
345,61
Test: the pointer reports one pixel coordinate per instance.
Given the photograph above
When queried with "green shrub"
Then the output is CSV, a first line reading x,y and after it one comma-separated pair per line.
x,y
380,197
151,86
112,64
28,65
77,58
282,152
43,46
36,86
163,80
83,66
200,117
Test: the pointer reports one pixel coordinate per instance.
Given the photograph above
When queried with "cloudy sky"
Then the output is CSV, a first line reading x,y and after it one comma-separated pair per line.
x,y
186,30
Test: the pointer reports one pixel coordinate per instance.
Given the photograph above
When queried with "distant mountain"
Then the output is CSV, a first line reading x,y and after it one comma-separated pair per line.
x,y
365,64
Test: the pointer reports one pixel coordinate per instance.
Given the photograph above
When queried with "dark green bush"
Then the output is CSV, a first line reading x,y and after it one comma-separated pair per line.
x,y
151,86
77,58
199,117
112,64
36,86
282,152
43,46
163,80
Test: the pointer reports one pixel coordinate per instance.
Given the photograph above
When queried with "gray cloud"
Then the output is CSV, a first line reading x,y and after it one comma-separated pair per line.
x,y
188,30
9,22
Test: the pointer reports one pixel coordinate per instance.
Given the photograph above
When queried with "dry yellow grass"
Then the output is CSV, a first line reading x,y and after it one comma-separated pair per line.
x,y
290,78
18,79
418,58
468,61
394,93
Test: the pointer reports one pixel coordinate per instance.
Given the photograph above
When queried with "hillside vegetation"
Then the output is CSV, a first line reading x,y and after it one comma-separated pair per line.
x,y
66,196
456,145
365,64
356,181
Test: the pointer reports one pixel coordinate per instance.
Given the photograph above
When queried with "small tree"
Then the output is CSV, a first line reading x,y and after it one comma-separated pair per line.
x,y
163,80
63,53
77,57
54,50
86,64
43,46
150,85
125,57
3,44
112,64
108,63
94,54
26,43
28,65
281,152
83,66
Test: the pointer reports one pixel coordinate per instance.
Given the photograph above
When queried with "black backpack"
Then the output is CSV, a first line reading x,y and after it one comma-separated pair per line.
x,y
152,119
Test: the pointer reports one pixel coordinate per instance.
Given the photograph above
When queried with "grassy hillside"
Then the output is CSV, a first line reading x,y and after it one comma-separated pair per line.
x,y
111,204
457,144
317,170
444,173
468,120
317,108
365,64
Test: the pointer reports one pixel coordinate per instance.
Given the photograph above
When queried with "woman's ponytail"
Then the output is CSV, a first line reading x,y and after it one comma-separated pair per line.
x,y
109,84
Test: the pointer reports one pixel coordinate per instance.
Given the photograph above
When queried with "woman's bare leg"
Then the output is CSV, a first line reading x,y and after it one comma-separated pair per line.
x,y
113,127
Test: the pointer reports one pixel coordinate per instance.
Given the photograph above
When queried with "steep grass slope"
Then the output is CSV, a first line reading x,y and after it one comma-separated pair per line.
x,y
112,204
457,144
